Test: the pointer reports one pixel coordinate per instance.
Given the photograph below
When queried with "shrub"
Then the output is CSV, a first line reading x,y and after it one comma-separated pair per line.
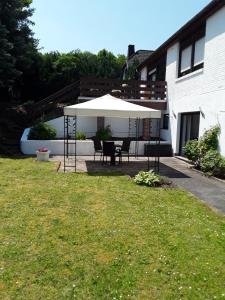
x,y
104,133
220,172
42,131
213,164
192,151
80,136
209,140
210,161
148,178
204,153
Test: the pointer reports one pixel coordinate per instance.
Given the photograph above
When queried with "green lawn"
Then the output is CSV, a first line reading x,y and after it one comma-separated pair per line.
x,y
76,236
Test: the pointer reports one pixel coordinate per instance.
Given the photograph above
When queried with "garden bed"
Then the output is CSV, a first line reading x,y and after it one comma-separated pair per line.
x,y
204,154
207,175
84,147
192,166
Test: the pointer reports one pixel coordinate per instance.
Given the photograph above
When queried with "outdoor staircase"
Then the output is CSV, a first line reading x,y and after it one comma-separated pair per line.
x,y
52,106
15,118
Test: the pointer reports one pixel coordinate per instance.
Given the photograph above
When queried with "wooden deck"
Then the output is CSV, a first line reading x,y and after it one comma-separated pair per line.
x,y
124,89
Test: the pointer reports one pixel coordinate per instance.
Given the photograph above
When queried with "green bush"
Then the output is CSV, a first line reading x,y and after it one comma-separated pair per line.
x,y
204,154
209,140
213,164
192,151
42,131
220,172
104,133
80,136
148,178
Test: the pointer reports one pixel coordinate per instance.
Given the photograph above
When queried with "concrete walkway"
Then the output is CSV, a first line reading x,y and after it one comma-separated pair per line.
x,y
207,189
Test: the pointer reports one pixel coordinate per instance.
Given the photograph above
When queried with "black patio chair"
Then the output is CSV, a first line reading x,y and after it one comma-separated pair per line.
x,y
109,150
97,147
125,149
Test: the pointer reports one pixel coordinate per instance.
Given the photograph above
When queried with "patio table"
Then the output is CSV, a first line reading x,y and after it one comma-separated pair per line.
x,y
113,156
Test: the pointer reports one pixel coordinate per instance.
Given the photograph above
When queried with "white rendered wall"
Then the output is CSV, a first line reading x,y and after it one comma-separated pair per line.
x,y
56,147
120,127
88,125
144,73
203,90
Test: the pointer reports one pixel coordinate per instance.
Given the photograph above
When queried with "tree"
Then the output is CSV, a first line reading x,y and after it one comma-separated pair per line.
x,y
132,70
26,74
88,62
107,65
17,45
7,71
57,70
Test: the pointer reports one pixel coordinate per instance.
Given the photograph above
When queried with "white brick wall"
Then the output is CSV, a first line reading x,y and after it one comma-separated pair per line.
x,y
203,90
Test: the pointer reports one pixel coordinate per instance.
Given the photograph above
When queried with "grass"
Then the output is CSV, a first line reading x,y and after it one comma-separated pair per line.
x,y
76,236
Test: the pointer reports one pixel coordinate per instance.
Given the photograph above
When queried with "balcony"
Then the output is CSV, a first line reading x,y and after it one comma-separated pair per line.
x,y
152,94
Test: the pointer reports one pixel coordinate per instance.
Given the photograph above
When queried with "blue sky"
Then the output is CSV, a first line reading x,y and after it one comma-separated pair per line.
x,y
111,24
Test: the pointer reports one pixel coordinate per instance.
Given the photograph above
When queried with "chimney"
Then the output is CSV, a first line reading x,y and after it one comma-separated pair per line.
x,y
131,51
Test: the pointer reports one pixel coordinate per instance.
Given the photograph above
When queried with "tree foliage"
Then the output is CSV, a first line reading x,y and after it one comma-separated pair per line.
x,y
57,70
27,74
17,45
132,70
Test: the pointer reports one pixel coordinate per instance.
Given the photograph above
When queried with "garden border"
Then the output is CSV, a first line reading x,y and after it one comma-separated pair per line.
x,y
84,147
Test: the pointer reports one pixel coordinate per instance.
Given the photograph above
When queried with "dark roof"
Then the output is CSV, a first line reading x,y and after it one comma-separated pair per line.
x,y
140,55
195,22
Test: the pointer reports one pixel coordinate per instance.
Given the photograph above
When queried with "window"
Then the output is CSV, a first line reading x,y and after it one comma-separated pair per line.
x,y
191,56
152,75
186,59
166,121
199,51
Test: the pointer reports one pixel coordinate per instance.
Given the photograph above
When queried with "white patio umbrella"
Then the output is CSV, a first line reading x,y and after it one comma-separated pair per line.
x,y
109,106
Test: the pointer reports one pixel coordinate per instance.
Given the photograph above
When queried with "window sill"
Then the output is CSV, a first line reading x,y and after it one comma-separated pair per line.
x,y
200,71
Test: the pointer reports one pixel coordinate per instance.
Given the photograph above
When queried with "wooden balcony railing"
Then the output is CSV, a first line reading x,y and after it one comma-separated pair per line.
x,y
124,89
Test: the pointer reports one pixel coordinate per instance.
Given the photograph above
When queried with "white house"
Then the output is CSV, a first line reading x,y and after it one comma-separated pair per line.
x,y
192,61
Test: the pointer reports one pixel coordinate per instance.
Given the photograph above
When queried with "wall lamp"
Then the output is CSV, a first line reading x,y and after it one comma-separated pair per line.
x,y
202,113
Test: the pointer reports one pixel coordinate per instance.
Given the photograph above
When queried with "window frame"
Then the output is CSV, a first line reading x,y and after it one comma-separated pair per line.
x,y
187,42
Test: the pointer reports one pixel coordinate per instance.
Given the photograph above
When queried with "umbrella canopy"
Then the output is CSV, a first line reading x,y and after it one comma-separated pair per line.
x,y
109,106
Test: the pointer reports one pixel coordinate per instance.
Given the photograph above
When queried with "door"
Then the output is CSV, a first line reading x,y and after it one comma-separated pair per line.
x,y
189,129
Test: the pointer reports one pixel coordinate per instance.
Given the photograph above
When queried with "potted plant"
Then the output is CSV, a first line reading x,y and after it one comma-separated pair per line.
x,y
43,154
80,136
104,134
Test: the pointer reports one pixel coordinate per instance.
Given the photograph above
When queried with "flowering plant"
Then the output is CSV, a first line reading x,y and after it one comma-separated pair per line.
x,y
43,149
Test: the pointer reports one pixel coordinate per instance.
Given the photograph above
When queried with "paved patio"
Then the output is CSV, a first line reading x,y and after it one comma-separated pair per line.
x,y
207,189
87,164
